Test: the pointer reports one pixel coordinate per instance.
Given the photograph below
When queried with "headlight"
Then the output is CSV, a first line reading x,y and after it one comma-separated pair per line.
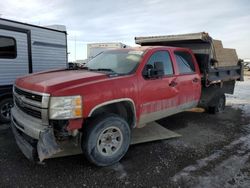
x,y
65,107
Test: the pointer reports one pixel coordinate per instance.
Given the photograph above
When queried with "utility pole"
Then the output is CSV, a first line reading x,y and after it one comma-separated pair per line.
x,y
75,48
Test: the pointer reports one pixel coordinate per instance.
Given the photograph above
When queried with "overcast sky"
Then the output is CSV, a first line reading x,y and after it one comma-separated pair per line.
x,y
122,20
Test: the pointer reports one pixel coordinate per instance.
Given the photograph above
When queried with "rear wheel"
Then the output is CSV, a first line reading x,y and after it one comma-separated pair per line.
x,y
5,107
220,105
106,140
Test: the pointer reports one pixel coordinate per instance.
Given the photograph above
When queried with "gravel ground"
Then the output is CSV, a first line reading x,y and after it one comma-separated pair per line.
x,y
214,151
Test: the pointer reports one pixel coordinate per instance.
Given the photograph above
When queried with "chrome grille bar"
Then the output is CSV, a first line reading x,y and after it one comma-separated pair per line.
x,y
32,103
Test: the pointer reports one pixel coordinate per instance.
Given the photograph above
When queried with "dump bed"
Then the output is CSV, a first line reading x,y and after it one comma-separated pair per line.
x,y
216,62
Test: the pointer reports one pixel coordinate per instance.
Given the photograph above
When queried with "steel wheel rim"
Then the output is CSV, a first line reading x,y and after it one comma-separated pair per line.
x,y
109,141
221,105
5,110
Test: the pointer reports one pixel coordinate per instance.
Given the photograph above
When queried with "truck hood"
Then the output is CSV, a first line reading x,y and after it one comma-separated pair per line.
x,y
46,82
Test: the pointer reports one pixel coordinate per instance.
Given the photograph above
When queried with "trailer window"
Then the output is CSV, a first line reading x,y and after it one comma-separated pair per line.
x,y
7,48
184,62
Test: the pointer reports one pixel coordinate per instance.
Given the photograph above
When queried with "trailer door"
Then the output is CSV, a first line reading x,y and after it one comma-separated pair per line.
x,y
14,60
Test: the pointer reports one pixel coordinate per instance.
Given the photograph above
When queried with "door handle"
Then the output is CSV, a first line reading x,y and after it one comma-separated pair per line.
x,y
195,80
173,84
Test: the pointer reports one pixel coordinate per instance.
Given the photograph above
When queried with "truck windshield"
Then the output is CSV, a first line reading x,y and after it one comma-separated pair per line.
x,y
116,61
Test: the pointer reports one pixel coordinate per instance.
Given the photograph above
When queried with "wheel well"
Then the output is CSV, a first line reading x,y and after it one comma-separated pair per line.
x,y
125,109
7,95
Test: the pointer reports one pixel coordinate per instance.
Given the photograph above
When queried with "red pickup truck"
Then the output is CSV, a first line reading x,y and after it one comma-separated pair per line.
x,y
95,108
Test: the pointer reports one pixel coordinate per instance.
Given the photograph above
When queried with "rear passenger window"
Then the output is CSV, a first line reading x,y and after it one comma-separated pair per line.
x,y
162,56
184,62
7,48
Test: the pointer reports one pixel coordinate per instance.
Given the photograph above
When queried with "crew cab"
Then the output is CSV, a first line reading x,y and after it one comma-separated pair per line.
x,y
94,109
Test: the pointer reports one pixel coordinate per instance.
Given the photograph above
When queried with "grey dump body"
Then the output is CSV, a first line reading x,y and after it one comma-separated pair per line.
x,y
36,49
219,66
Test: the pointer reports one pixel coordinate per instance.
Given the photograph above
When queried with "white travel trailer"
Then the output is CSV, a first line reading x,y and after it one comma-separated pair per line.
x,y
24,49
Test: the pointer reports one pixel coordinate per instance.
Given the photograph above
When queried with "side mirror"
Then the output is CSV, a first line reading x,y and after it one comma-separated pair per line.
x,y
155,71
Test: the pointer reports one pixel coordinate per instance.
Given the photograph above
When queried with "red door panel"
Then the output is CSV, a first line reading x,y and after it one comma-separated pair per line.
x,y
189,81
159,96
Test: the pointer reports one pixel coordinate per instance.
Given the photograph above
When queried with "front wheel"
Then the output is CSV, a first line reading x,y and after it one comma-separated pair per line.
x,y
5,107
106,140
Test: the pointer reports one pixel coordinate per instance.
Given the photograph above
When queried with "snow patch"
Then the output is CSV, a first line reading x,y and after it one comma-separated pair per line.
x,y
241,97
223,173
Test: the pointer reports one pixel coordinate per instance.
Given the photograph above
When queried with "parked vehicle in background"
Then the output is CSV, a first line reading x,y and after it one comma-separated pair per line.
x,y
247,64
93,109
24,49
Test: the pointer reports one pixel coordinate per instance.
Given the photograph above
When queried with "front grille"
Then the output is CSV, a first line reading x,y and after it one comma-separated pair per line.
x,y
28,102
31,96
32,112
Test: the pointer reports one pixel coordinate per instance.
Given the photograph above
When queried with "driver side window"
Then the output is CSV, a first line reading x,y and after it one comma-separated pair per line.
x,y
164,57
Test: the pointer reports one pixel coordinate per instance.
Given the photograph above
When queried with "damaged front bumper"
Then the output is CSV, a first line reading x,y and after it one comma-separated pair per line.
x,y
36,141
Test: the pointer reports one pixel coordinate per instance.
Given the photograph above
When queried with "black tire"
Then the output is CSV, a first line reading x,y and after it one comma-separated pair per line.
x,y
106,139
5,106
220,105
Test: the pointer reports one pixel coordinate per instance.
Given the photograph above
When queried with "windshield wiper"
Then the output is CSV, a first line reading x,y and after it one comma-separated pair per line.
x,y
85,68
113,73
104,69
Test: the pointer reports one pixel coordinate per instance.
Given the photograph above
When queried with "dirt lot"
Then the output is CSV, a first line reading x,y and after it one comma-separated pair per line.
x,y
214,151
